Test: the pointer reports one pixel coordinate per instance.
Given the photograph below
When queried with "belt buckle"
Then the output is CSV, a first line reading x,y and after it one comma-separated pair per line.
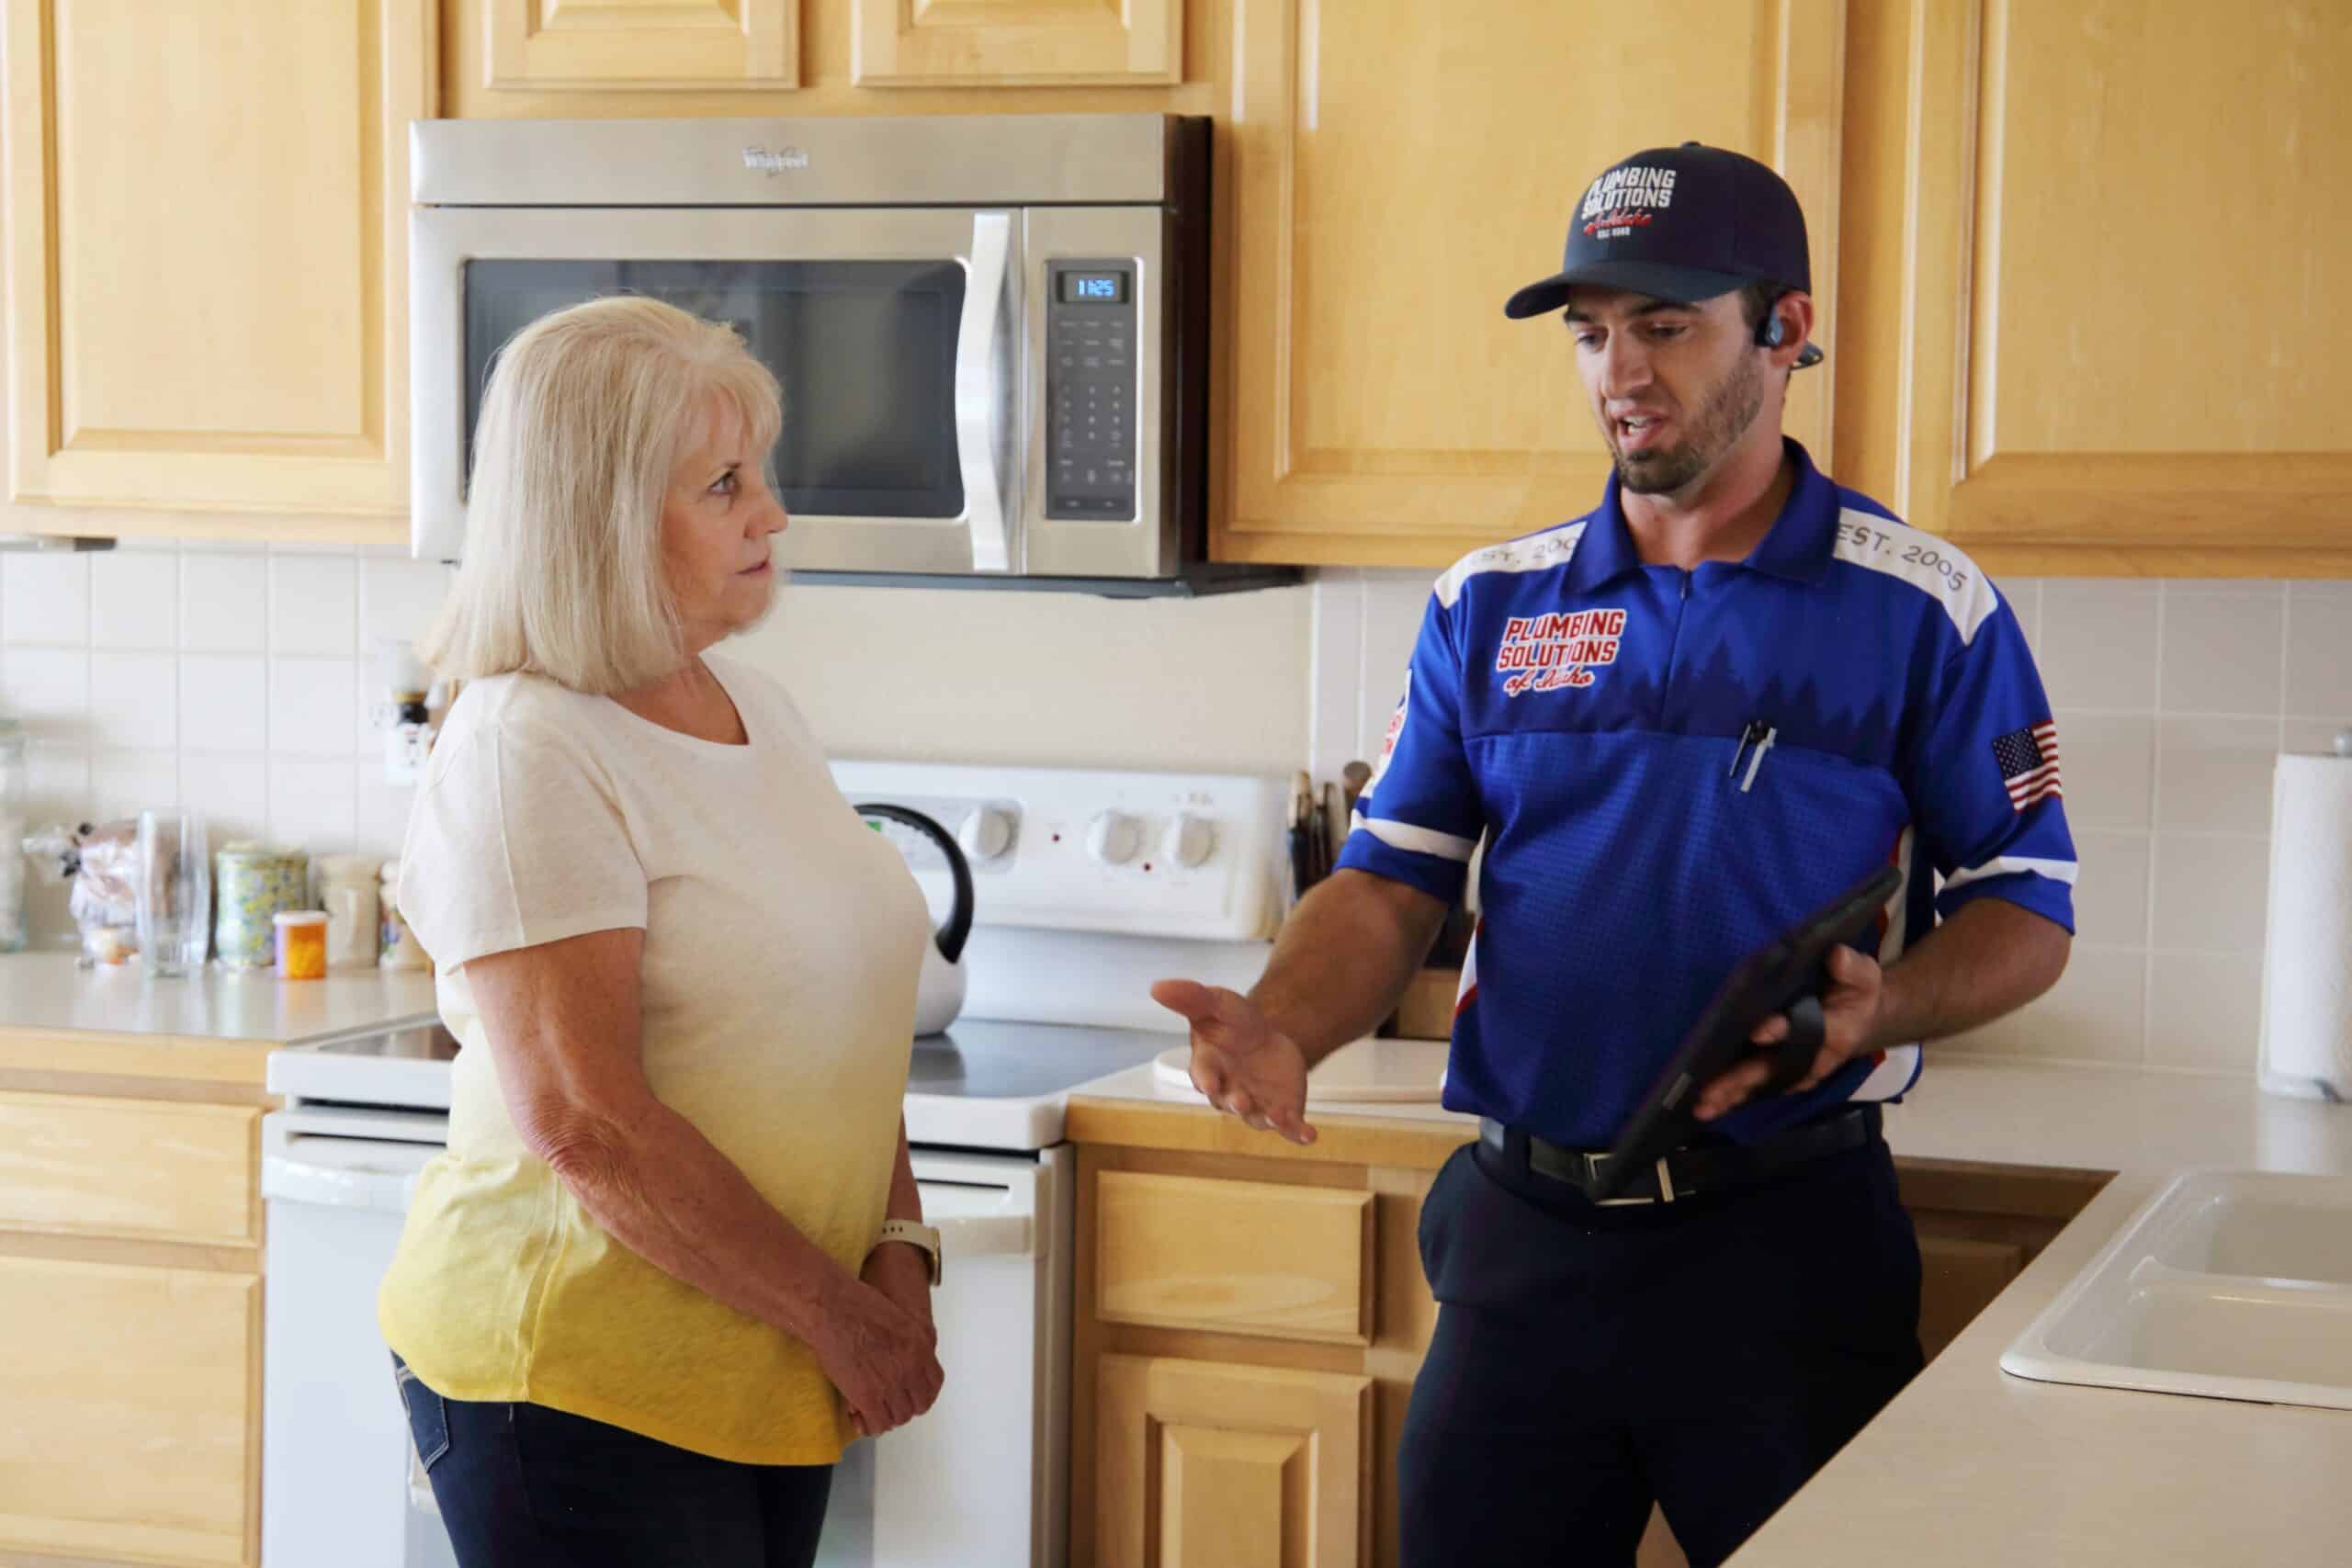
x,y
1592,1164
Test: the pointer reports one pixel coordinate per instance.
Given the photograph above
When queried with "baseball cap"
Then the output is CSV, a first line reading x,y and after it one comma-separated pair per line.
x,y
1680,223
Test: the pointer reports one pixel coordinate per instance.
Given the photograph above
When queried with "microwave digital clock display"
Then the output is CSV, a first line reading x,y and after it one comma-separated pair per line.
x,y
1094,288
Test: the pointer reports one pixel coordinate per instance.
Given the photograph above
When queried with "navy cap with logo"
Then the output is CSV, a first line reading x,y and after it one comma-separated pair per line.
x,y
1684,224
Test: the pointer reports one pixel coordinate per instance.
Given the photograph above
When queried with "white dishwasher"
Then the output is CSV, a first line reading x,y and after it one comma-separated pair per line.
x,y
339,1481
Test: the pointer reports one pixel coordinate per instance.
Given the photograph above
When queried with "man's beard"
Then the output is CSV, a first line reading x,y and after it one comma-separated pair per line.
x,y
1721,423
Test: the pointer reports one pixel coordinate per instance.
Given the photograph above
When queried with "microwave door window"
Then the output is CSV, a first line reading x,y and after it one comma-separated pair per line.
x,y
864,350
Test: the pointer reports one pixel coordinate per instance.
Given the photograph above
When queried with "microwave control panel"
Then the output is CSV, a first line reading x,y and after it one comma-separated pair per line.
x,y
1090,390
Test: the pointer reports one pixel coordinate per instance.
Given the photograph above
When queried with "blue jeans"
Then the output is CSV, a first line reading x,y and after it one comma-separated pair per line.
x,y
524,1486
1708,1355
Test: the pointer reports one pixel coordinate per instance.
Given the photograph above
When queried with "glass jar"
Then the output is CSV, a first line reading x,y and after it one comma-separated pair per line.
x,y
252,883
401,949
16,792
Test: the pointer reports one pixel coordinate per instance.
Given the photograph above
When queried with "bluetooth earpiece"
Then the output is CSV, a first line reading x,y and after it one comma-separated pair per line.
x,y
1771,331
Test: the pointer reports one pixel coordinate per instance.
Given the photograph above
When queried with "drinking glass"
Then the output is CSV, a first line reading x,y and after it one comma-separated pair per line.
x,y
175,892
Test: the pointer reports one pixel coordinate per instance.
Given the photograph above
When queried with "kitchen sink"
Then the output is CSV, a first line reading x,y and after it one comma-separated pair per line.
x,y
2231,1284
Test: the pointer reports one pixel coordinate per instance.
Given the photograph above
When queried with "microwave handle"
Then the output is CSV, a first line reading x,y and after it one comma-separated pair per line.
x,y
982,401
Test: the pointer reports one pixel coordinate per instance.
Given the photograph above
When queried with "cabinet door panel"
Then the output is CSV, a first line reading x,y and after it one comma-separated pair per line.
x,y
134,1421
208,212
1234,1257
2124,293
688,44
134,1168
1201,1465
1016,42
1400,172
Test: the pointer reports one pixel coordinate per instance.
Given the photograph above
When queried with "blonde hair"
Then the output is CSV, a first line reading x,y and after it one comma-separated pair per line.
x,y
588,412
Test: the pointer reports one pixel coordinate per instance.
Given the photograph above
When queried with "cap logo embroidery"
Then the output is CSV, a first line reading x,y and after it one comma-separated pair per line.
x,y
1624,199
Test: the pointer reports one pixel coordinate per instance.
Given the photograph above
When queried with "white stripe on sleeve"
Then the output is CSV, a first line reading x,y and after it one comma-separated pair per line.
x,y
1419,840
2010,866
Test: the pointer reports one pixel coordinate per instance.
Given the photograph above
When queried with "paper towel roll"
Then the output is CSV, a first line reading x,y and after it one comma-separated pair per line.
x,y
2307,947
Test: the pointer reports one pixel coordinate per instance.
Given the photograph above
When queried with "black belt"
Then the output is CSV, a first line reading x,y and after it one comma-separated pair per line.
x,y
1685,1172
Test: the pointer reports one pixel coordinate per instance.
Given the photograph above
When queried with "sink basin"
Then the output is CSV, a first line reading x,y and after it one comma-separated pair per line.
x,y
2230,1284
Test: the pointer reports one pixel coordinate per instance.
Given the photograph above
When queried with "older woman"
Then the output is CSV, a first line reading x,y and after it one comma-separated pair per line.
x,y
672,1260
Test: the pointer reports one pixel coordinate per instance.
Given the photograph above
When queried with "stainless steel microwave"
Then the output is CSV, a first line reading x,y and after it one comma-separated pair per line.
x,y
991,331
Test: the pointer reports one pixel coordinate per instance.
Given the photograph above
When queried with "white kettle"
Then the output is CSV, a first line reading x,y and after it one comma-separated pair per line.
x,y
939,992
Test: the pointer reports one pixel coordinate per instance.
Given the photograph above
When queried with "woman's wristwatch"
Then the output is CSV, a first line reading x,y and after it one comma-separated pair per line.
x,y
914,1234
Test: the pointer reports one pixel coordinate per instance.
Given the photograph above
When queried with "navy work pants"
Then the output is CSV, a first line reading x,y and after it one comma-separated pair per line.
x,y
1708,1355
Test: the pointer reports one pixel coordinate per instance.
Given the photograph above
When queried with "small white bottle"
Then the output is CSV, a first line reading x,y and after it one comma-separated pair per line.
x,y
348,889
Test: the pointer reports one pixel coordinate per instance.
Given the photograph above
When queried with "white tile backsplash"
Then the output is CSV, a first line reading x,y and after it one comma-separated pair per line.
x,y
48,689
2224,650
2319,650
134,600
2213,774
2170,697
2211,891
232,792
124,783
2112,898
135,700
314,805
224,703
314,605
2204,1010
224,603
2098,643
397,599
312,707
234,679
45,600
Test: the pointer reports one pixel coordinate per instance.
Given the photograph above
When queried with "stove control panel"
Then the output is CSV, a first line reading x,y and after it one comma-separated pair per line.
x,y
1146,854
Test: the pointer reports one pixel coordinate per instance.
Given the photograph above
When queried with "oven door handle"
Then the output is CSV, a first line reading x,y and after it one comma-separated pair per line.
x,y
987,392
336,1185
985,1235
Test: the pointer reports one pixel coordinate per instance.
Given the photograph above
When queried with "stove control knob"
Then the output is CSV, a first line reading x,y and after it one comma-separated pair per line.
x,y
1112,838
986,833
1188,842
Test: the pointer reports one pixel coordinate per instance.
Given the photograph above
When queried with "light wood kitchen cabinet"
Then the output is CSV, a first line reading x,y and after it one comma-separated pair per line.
x,y
2095,253
1231,1467
1235,1257
1399,169
133,1401
662,45
131,1300
1979,1225
207,221
2078,279
1014,43
1211,1352
847,57
1246,1330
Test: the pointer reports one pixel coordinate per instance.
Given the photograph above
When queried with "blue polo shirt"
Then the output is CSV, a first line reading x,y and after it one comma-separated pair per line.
x,y
1585,713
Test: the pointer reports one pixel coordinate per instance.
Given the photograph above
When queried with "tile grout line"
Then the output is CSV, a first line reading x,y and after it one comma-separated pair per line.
x,y
2155,822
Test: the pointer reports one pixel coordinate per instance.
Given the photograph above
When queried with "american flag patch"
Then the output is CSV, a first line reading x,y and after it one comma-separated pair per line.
x,y
2028,760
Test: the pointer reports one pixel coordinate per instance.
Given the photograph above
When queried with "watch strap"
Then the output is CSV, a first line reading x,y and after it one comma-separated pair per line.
x,y
914,1234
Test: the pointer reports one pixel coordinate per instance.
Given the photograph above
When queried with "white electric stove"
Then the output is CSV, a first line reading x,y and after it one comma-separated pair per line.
x,y
1087,887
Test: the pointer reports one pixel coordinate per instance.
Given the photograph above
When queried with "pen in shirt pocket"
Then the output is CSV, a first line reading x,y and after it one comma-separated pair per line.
x,y
1754,742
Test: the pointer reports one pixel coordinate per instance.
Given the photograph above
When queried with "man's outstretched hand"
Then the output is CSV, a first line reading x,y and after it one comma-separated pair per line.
x,y
1240,1061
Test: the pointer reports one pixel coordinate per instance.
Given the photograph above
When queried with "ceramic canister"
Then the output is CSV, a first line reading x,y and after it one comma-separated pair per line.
x,y
251,882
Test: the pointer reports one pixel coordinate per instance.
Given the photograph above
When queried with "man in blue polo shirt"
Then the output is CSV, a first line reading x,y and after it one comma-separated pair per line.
x,y
1680,723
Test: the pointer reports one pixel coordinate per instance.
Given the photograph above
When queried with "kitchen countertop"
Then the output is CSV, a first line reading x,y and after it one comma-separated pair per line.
x,y
1982,1110
1969,1465
58,1018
